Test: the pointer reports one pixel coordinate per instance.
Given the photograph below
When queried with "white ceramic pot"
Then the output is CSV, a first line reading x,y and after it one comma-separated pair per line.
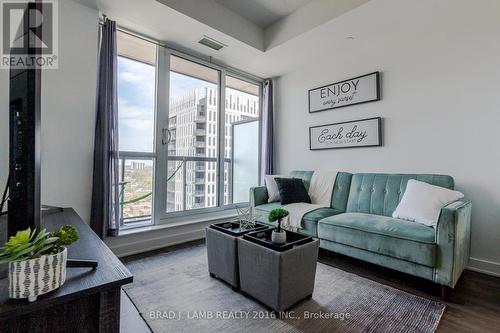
x,y
278,237
34,277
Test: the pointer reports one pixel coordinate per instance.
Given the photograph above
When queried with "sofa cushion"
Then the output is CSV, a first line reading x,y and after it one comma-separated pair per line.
x,y
381,193
383,235
341,191
273,192
292,190
304,175
309,222
422,202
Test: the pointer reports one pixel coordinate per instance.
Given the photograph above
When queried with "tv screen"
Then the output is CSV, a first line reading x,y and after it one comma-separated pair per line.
x,y
24,139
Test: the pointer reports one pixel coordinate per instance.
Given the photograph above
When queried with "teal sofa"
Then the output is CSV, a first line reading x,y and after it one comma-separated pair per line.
x,y
359,224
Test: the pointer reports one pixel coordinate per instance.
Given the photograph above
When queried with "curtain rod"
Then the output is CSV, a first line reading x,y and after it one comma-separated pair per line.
x,y
163,44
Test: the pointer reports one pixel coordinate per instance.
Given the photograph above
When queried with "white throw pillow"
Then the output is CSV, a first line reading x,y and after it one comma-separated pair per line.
x,y
422,202
272,188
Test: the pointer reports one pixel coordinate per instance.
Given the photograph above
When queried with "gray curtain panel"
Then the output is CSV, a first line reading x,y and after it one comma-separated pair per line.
x,y
267,132
105,214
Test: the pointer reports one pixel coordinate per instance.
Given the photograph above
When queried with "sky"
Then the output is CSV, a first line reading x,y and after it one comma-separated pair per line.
x,y
136,97
136,89
136,102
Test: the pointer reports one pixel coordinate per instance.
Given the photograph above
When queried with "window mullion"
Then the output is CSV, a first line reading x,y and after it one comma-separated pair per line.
x,y
222,136
261,112
162,111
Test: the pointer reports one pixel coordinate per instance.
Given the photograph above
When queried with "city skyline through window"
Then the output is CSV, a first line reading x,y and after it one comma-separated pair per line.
x,y
136,120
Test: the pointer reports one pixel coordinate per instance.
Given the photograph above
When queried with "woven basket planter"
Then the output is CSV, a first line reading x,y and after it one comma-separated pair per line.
x,y
32,278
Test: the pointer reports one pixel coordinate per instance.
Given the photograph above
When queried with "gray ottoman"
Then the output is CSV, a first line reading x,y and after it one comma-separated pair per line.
x,y
277,279
222,251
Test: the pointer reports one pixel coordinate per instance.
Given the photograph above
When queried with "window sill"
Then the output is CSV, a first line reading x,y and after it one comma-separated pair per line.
x,y
178,222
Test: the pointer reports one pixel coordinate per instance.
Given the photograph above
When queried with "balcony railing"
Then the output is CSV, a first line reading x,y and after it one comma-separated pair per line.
x,y
200,118
137,208
136,183
200,132
199,164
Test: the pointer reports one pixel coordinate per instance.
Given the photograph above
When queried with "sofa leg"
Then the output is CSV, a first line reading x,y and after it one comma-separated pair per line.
x,y
445,293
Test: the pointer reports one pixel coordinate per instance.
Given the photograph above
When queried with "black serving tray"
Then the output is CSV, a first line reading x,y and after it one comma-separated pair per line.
x,y
263,237
233,228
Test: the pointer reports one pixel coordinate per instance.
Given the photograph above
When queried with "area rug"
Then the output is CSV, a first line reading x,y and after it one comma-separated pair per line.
x,y
174,293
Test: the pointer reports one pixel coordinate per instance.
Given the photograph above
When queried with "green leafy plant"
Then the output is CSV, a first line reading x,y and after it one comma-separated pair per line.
x,y
277,215
28,244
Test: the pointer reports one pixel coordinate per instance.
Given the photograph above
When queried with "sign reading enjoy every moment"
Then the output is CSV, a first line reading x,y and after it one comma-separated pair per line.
x,y
349,134
361,89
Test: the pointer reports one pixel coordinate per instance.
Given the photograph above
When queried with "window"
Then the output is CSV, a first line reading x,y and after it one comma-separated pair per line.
x,y
136,80
193,88
181,150
241,129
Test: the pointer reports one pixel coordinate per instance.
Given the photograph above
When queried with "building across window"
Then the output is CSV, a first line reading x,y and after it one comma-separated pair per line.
x,y
201,149
184,104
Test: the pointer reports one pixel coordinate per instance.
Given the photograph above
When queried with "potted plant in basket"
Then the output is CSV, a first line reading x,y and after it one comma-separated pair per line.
x,y
37,261
278,235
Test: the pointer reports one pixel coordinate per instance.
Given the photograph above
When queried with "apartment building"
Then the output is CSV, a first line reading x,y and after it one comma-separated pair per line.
x,y
193,155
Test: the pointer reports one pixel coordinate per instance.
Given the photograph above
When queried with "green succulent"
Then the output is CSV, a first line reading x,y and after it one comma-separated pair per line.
x,y
30,244
276,215
67,234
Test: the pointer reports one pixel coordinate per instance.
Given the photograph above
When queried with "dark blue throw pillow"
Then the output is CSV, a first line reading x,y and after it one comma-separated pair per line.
x,y
292,190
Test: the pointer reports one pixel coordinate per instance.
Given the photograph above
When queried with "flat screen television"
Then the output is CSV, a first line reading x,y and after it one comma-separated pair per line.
x,y
23,205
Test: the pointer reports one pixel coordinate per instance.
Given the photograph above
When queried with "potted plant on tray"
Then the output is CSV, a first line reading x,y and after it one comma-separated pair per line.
x,y
37,261
278,235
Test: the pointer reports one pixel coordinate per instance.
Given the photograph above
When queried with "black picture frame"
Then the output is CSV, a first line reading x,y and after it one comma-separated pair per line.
x,y
377,98
380,134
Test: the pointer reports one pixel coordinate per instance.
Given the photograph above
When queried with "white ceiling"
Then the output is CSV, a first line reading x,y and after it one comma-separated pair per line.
x,y
236,18
291,48
263,12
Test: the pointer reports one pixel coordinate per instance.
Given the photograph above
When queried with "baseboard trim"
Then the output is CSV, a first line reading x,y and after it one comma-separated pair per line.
x,y
484,266
151,244
127,247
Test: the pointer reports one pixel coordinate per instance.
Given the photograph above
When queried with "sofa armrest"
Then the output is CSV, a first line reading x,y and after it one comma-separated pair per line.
x,y
258,196
453,240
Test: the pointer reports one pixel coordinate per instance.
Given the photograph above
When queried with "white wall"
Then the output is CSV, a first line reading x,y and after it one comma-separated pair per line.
x,y
68,113
440,64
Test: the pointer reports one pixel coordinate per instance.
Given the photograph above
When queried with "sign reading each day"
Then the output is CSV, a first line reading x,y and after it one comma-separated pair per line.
x,y
361,89
349,134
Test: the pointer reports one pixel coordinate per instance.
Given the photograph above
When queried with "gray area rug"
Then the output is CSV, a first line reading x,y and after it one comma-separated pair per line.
x,y
174,293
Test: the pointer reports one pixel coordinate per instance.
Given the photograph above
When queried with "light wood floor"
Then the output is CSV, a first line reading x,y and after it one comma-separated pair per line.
x,y
474,305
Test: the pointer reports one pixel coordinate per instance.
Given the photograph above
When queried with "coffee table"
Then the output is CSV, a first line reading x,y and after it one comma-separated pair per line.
x,y
222,250
277,275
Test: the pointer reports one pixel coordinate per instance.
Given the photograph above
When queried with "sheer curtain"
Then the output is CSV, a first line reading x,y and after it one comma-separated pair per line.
x,y
104,218
267,131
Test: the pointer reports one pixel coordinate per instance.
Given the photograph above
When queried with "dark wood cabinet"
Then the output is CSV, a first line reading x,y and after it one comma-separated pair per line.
x,y
89,301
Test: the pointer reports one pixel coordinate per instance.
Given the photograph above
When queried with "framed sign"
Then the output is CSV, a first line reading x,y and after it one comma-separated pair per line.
x,y
349,134
361,89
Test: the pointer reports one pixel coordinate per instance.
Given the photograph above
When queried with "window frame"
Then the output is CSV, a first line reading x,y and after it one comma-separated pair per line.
x,y
162,110
152,155
231,184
